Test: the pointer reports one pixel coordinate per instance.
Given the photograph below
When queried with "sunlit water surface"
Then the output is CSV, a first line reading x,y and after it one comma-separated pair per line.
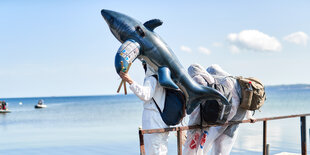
x,y
109,125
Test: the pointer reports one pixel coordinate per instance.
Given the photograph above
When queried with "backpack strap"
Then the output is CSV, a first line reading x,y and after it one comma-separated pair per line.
x,y
156,77
157,106
209,84
201,119
235,77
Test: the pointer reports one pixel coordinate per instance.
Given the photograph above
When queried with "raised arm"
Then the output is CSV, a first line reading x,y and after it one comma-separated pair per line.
x,y
146,91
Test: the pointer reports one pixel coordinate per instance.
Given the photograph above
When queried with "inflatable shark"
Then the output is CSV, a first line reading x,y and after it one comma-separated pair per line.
x,y
140,41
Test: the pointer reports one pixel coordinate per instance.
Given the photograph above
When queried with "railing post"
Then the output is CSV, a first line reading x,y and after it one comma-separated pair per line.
x,y
303,135
179,133
142,150
265,138
267,149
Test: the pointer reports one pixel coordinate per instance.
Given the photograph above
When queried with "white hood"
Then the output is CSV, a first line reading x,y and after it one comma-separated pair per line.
x,y
215,69
149,71
198,70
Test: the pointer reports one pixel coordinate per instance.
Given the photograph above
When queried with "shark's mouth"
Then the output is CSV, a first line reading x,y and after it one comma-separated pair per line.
x,y
126,54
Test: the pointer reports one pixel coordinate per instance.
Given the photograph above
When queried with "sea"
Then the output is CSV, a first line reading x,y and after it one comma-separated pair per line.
x,y
108,125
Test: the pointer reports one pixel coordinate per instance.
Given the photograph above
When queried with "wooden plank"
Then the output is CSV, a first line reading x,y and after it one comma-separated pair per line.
x,y
142,150
265,138
120,85
149,131
179,137
303,135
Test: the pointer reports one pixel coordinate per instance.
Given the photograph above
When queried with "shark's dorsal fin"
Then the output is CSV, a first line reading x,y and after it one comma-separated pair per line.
x,y
152,24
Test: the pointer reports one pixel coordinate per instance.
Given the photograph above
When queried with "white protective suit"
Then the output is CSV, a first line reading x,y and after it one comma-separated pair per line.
x,y
221,138
157,143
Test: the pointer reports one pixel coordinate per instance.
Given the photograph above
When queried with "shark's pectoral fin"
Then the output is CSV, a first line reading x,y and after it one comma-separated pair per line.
x,y
164,78
152,24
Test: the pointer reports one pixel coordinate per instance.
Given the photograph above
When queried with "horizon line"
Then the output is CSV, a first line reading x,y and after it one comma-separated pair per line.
x,y
118,94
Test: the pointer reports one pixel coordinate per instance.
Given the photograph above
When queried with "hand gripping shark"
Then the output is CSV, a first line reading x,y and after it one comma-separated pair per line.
x,y
147,45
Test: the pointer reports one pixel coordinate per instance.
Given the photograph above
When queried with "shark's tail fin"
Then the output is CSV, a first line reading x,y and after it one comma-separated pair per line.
x,y
203,94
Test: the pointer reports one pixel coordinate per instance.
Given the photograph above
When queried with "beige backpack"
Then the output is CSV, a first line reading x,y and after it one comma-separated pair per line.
x,y
253,93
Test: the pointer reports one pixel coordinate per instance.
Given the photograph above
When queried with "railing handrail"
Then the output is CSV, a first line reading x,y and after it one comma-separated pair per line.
x,y
178,128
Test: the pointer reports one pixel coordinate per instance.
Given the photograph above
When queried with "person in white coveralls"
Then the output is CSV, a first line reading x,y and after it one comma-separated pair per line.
x,y
156,143
220,138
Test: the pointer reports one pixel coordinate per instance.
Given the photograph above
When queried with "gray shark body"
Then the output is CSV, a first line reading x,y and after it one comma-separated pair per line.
x,y
158,54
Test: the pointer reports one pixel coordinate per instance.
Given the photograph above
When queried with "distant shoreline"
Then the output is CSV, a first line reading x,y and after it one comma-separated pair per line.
x,y
268,87
65,96
289,87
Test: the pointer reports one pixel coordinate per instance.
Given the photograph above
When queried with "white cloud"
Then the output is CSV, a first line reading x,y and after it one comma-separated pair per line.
x,y
217,44
253,40
234,49
186,49
204,50
299,38
232,37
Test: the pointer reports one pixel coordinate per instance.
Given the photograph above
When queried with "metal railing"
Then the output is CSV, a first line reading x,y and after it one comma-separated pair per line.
x,y
264,120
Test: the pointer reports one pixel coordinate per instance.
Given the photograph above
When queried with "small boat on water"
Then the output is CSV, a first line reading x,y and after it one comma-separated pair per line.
x,y
40,104
4,107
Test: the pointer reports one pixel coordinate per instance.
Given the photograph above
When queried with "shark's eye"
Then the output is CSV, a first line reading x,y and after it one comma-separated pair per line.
x,y
140,31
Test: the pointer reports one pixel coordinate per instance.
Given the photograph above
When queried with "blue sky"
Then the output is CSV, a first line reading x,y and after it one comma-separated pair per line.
x,y
64,47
